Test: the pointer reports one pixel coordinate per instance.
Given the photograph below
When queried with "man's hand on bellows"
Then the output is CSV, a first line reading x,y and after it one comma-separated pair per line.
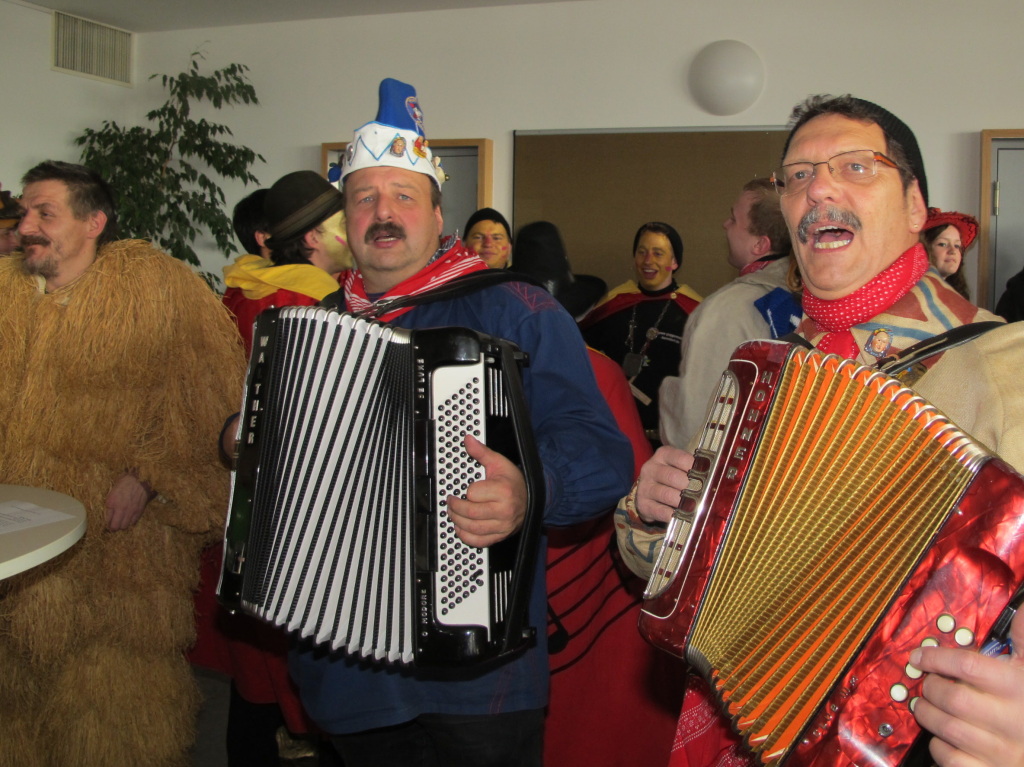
x,y
494,507
125,502
661,481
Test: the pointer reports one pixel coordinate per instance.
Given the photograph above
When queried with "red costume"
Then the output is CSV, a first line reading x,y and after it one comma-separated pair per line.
x,y
607,681
253,653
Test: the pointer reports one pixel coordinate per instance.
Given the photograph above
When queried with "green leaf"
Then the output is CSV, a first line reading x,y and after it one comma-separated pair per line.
x,y
162,195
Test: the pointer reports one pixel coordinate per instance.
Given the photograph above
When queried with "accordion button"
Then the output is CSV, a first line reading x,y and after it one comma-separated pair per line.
x,y
964,637
913,672
945,623
913,702
929,642
701,464
899,693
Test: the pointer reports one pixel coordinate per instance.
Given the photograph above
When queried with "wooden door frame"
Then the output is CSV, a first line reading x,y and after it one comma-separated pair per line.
x,y
484,162
988,138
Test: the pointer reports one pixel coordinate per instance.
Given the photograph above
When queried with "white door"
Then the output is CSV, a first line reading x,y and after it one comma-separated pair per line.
x,y
1007,222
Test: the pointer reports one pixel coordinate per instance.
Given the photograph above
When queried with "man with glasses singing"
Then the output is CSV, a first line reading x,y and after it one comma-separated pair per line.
x,y
854,195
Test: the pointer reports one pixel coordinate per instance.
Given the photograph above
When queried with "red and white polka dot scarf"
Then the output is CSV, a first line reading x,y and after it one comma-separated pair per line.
x,y
836,317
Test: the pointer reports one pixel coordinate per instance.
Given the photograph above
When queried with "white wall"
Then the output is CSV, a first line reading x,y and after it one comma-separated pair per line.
x,y
948,68
41,110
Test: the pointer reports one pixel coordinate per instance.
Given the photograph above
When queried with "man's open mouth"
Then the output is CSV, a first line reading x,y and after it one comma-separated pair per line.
x,y
832,237
828,228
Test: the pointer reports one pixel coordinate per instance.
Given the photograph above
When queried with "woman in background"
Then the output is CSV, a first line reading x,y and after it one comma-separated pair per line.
x,y
946,236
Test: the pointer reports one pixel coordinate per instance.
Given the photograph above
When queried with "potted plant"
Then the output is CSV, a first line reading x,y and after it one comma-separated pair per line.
x,y
164,173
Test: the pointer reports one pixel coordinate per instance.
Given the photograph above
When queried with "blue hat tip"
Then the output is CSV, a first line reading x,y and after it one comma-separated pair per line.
x,y
398,106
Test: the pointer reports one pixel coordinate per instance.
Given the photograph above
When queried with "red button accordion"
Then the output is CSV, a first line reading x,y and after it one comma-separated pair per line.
x,y
833,522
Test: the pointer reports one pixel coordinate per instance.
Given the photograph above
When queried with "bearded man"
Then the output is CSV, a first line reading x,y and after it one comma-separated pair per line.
x,y
117,367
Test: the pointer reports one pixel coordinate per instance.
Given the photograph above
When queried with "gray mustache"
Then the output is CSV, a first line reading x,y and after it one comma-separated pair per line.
x,y
828,213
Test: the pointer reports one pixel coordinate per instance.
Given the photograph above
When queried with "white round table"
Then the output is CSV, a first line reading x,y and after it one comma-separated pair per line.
x,y
36,525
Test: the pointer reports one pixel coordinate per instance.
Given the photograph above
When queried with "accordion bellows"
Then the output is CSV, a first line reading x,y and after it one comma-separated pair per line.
x,y
833,522
351,441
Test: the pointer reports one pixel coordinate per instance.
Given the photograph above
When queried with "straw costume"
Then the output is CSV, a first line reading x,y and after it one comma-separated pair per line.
x,y
131,367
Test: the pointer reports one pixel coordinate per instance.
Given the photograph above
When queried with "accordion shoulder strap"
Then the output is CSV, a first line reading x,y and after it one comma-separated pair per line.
x,y
903,364
797,340
909,361
456,288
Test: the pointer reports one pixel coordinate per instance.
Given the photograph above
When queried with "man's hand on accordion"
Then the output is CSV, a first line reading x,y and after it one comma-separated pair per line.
x,y
973,704
494,507
661,481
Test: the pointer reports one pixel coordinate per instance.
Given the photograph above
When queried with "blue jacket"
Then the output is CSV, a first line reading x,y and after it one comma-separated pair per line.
x,y
588,467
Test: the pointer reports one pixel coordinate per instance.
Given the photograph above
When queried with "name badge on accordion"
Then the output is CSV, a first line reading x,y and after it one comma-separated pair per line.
x,y
350,442
834,521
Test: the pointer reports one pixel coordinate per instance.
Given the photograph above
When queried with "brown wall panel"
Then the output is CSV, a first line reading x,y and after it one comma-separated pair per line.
x,y
598,188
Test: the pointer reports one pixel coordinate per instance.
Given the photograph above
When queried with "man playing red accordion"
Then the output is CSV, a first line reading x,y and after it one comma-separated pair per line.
x,y
854,195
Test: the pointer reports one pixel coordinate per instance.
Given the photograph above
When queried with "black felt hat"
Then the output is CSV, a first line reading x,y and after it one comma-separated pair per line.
x,y
297,202
540,253
10,211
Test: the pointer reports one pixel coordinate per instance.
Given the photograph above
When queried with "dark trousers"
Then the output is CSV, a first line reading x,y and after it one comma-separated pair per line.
x,y
252,735
252,732
440,740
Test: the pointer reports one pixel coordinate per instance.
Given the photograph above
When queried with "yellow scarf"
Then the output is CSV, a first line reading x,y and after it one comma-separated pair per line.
x,y
259,277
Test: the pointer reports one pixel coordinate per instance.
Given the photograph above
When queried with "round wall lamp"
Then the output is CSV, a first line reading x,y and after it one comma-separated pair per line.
x,y
726,77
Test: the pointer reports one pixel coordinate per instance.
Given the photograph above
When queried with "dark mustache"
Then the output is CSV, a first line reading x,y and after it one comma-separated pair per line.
x,y
385,228
829,213
33,239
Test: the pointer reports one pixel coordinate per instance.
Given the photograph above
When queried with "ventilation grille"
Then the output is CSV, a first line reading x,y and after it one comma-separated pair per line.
x,y
84,47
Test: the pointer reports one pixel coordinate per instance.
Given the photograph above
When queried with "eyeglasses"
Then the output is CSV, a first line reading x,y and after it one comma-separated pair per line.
x,y
857,166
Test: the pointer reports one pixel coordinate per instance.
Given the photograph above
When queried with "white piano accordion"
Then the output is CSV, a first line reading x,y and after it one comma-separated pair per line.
x,y
350,442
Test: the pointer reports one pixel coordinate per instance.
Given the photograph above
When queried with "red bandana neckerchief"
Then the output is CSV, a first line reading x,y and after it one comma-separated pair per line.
x,y
761,263
753,266
836,317
452,260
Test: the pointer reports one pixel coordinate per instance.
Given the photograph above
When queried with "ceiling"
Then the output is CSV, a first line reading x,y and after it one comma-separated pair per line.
x,y
166,15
